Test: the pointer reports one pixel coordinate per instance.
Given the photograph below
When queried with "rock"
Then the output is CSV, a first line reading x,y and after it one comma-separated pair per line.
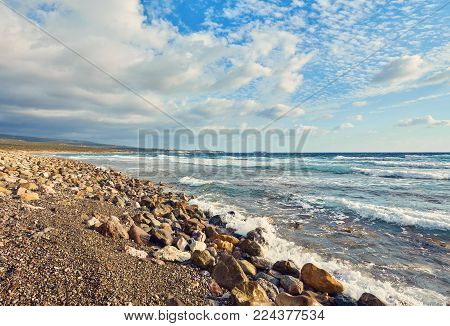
x,y
196,245
341,300
261,263
202,259
368,299
320,280
29,196
323,298
199,236
29,186
174,302
274,273
247,267
135,253
257,235
170,253
161,237
249,294
215,288
228,238
291,284
270,288
287,267
228,273
180,242
5,191
251,247
93,222
112,228
268,278
285,299
224,245
138,235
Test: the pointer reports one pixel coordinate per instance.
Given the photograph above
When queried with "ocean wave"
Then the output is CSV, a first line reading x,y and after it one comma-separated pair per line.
x,y
367,158
355,281
195,182
397,215
407,174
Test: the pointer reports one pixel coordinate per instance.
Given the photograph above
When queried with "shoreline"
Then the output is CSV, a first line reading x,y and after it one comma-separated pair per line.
x,y
135,223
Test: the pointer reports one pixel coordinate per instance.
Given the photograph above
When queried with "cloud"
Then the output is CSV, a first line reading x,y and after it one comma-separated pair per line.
x,y
358,117
280,110
345,125
403,69
359,104
426,120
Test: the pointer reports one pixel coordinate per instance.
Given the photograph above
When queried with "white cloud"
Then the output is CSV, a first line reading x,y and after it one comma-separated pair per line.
x,y
360,104
280,110
403,69
358,117
426,120
345,125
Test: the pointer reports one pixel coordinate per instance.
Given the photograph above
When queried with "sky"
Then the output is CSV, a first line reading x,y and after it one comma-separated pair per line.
x,y
357,75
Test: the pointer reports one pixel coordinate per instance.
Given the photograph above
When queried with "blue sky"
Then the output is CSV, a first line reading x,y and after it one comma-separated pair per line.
x,y
231,64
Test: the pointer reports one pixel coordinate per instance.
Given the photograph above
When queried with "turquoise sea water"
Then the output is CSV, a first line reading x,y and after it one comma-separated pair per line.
x,y
378,222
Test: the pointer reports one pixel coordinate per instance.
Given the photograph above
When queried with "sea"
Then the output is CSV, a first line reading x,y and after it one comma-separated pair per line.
x,y
379,222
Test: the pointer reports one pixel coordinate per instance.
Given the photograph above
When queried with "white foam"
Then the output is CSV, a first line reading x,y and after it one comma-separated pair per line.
x,y
195,182
412,174
355,281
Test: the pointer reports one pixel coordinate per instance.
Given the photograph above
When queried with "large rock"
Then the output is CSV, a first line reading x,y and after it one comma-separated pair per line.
x,y
180,242
251,247
287,267
196,245
291,284
285,299
202,259
112,228
135,253
228,238
161,237
320,280
368,299
257,235
138,235
228,273
261,263
224,245
170,253
247,267
249,294
268,278
270,288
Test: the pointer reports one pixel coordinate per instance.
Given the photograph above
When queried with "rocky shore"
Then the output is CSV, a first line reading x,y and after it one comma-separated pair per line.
x,y
75,234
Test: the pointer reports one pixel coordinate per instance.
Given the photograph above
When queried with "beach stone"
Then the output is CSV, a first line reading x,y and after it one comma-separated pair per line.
x,y
202,259
322,298
261,263
368,299
268,278
161,237
320,280
223,245
257,235
247,267
112,228
138,235
135,253
199,236
5,191
29,186
341,300
291,284
287,267
29,196
180,242
228,273
172,301
93,222
274,273
285,299
196,245
170,253
270,288
249,294
228,238
251,247
215,288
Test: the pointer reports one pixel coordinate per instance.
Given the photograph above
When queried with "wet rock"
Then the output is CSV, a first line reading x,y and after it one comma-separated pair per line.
x,y
287,267
268,278
368,299
249,294
138,235
202,259
112,228
285,299
228,238
228,273
291,284
270,288
257,235
323,298
247,267
261,263
320,280
170,253
342,300
251,247
224,245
